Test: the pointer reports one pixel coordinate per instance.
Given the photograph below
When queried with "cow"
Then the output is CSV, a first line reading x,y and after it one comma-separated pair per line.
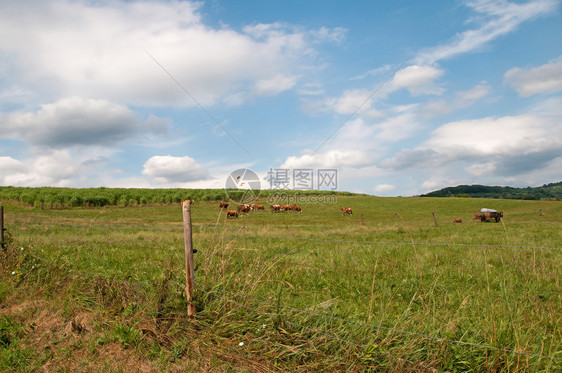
x,y
259,207
274,208
346,210
231,214
457,220
295,208
284,207
244,208
223,205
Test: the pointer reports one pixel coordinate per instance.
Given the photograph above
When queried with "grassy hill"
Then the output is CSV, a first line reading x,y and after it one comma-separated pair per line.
x,y
547,191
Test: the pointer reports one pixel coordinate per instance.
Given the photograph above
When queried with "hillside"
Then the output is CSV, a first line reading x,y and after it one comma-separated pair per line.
x,y
547,191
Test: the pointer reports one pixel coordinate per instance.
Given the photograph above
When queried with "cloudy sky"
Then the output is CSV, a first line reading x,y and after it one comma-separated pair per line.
x,y
401,97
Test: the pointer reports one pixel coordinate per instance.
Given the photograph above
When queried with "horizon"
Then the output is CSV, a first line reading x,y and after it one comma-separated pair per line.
x,y
397,99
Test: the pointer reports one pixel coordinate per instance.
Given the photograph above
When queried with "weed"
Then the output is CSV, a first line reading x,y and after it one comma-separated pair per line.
x,y
127,336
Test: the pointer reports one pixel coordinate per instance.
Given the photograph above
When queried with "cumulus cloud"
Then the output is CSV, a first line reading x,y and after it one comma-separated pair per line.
x,y
55,168
329,159
76,121
418,80
510,145
543,79
166,168
497,18
100,50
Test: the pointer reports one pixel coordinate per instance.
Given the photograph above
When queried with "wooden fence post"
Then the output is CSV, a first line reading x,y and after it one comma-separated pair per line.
x,y
189,271
434,219
2,227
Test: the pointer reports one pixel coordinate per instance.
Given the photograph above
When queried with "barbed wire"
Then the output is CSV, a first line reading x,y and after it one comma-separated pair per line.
x,y
384,242
324,316
113,225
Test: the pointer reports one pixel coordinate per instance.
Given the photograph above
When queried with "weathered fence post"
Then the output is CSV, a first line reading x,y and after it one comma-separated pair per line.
x,y
189,271
2,227
434,220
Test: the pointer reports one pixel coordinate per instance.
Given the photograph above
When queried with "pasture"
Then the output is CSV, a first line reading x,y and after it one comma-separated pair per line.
x,y
386,291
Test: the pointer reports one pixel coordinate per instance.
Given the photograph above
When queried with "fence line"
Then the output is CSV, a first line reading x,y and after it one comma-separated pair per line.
x,y
242,228
328,317
381,242
427,336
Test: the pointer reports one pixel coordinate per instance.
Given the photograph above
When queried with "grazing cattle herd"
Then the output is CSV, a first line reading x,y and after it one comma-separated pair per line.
x,y
485,215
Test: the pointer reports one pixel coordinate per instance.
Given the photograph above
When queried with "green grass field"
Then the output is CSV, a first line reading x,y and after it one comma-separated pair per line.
x,y
388,291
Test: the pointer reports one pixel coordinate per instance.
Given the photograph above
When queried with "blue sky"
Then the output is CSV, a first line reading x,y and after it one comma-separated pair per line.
x,y
411,96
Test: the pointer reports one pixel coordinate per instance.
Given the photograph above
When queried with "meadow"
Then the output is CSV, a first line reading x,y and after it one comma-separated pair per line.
x,y
387,289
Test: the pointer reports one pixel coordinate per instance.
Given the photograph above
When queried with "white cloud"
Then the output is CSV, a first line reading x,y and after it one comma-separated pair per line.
x,y
169,169
501,17
383,188
10,166
543,79
467,98
355,100
463,99
396,128
373,72
76,121
55,168
479,169
275,85
418,80
507,135
329,159
511,145
100,50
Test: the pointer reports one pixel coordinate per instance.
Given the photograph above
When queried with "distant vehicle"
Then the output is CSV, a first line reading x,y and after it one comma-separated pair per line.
x,y
488,214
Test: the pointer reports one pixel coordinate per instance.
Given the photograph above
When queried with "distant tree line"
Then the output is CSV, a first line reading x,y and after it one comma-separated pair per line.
x,y
51,197
547,191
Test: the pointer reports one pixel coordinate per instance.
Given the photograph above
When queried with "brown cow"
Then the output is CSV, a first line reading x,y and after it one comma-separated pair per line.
x,y
295,208
223,205
457,220
244,208
231,214
274,208
284,207
259,207
346,210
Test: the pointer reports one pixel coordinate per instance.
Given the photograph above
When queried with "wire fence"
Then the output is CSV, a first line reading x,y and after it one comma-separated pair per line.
x,y
242,229
236,297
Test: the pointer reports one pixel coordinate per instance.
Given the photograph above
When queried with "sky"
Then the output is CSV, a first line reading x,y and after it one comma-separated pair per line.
x,y
399,97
